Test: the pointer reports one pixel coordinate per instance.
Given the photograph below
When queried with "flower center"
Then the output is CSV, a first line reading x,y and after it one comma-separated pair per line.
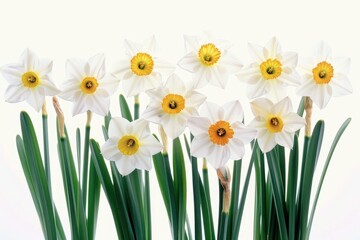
x,y
323,72
30,79
220,132
142,64
274,124
209,54
270,69
128,145
89,85
173,103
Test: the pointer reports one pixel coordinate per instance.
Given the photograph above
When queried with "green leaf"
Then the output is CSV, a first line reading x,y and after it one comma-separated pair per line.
x,y
278,192
36,168
85,169
235,195
179,187
124,108
323,174
292,186
311,159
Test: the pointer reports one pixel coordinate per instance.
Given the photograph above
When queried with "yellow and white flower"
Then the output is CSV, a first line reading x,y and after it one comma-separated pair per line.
x,y
276,123
130,145
143,69
325,76
171,105
209,60
271,71
219,134
87,85
29,80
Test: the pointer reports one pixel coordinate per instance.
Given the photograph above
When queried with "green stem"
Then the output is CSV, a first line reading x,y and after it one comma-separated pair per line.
x,y
85,164
147,206
46,149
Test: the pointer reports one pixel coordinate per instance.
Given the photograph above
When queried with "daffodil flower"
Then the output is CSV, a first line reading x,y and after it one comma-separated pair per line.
x,y
271,71
276,123
209,60
325,76
143,69
130,145
171,105
87,85
219,134
29,80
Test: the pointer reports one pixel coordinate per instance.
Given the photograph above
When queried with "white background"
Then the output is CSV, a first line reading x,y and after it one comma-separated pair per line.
x,y
64,29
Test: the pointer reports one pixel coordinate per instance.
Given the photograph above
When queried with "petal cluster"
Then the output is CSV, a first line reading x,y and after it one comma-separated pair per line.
x,y
172,104
276,123
325,76
209,60
271,71
219,134
88,86
142,70
130,145
29,80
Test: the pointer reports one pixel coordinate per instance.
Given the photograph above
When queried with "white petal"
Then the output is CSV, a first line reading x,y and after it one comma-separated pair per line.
x,y
110,149
266,141
142,161
341,85
283,107
97,66
190,62
194,99
29,60
341,65
120,67
79,105
109,83
198,125
218,76
273,48
258,123
201,146
191,43
98,105
322,52
175,85
307,87
150,45
45,66
219,156
150,144
199,78
125,166
213,111
174,125
136,84
36,99
293,122
257,52
12,73
237,148
276,89
232,64
233,112
131,48
257,90
250,74
74,68
285,139
16,93
118,126
289,59
245,134
322,95
163,67
141,128
291,78
153,113
71,91
261,107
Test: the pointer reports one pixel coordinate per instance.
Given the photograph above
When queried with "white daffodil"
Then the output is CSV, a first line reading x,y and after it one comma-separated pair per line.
x,y
171,105
87,86
209,60
130,145
276,123
219,134
142,70
325,76
271,71
29,80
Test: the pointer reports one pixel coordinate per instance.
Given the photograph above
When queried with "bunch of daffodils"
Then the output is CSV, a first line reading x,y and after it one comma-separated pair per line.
x,y
195,129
